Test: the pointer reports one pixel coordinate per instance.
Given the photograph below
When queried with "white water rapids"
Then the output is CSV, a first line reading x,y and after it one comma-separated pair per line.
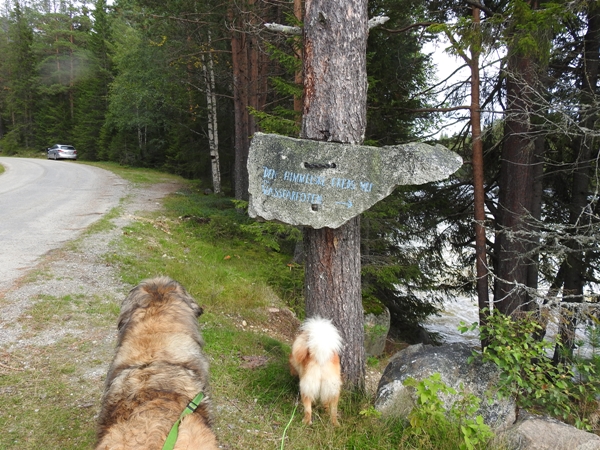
x,y
465,309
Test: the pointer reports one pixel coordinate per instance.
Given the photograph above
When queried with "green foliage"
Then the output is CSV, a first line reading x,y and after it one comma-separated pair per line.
x,y
280,121
434,425
530,29
281,118
371,412
271,234
397,69
528,375
20,82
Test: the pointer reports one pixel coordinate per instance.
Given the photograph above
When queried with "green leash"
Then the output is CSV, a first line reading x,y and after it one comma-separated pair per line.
x,y
190,408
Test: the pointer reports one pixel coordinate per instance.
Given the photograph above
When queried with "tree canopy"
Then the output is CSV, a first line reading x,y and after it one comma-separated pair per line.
x,y
182,86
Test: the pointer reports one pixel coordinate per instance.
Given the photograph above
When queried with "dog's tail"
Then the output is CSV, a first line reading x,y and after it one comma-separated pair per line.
x,y
323,338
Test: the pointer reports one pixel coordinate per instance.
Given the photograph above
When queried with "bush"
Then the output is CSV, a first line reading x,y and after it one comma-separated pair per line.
x,y
530,376
432,426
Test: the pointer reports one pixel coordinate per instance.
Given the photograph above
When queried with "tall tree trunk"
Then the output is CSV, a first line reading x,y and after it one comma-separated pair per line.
x,y
516,184
481,264
250,78
213,131
298,75
335,94
574,277
240,103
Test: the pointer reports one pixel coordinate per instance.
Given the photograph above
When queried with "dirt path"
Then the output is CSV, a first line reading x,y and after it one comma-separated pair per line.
x,y
78,271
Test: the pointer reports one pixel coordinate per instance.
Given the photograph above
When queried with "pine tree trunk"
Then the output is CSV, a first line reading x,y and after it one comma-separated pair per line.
x,y
478,180
335,90
516,185
574,275
239,61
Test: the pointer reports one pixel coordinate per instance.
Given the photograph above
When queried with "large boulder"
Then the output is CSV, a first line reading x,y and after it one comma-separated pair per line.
x,y
450,361
532,432
529,432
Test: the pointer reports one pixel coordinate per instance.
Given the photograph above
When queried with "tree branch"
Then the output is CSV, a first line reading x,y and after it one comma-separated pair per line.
x,y
297,31
488,12
286,29
448,109
376,21
410,27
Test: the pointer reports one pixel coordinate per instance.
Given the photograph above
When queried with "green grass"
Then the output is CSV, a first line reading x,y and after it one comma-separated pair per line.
x,y
136,175
51,401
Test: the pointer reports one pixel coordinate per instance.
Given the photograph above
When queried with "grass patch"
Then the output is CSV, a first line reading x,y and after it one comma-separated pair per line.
x,y
105,223
235,270
52,404
137,175
199,242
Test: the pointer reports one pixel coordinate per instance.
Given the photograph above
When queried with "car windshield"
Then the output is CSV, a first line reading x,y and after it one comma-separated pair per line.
x,y
67,147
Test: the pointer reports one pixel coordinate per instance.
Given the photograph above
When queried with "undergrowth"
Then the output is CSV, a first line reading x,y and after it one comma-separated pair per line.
x,y
238,271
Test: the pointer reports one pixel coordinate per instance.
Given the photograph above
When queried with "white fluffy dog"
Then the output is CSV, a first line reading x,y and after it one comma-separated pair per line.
x,y
315,359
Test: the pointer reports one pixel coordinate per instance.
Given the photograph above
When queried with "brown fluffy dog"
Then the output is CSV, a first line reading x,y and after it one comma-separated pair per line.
x,y
315,359
158,368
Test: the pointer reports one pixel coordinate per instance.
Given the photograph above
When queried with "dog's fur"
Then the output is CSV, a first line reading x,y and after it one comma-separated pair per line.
x,y
315,359
157,369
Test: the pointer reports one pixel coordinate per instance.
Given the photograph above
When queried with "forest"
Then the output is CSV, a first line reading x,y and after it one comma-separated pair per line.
x,y
182,86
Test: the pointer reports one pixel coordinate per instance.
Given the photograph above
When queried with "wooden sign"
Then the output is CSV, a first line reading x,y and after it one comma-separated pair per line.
x,y
325,184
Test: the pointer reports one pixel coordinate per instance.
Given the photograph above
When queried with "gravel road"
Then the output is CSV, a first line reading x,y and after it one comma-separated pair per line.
x,y
49,266
44,204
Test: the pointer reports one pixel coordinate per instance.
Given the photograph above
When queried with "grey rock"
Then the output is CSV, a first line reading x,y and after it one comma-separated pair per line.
x,y
532,432
450,361
325,184
377,327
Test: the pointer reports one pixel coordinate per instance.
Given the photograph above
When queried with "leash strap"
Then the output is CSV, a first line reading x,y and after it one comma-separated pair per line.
x,y
190,408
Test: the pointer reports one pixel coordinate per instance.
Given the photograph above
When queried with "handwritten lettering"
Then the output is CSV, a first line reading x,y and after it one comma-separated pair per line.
x,y
294,196
270,176
303,178
366,186
269,173
343,183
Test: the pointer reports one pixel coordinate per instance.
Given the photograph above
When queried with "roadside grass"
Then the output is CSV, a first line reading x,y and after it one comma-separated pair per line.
x,y
202,241
136,175
104,224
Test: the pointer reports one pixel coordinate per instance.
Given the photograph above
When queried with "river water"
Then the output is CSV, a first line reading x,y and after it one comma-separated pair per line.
x,y
464,309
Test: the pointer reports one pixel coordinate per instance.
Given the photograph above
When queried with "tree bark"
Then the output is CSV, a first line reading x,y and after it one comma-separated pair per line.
x,y
250,78
574,275
213,130
516,185
481,264
240,103
298,102
335,89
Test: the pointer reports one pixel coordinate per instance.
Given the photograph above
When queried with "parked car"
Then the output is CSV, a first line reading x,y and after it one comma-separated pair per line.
x,y
60,151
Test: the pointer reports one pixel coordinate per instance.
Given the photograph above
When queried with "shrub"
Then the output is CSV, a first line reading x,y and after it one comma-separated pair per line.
x,y
435,427
528,374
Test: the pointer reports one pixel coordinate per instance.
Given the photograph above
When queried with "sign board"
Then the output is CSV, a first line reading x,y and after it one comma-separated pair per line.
x,y
325,184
